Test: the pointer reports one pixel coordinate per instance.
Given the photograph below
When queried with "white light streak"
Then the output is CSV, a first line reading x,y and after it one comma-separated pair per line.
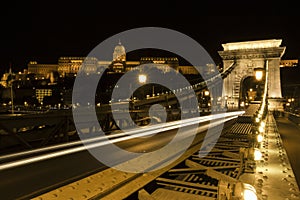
x,y
135,133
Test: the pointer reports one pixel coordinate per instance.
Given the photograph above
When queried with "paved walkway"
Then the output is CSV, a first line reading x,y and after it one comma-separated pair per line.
x,y
290,134
274,176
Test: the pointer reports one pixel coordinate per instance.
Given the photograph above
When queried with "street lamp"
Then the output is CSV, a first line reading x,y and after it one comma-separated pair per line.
x,y
237,190
257,154
142,78
259,138
259,72
11,90
225,102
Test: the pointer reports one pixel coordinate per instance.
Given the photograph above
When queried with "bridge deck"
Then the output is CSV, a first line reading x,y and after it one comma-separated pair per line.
x,y
198,177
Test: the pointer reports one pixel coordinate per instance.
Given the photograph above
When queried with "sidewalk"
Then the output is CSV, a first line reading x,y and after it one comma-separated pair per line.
x,y
274,176
290,134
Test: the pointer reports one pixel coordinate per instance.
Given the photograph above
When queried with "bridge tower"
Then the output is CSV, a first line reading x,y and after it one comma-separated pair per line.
x,y
248,56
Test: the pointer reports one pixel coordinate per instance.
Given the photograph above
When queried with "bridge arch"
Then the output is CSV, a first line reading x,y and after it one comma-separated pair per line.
x,y
246,56
250,90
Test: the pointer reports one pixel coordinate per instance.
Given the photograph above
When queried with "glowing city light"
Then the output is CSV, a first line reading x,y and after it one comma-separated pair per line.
x,y
142,78
258,75
260,138
206,93
261,129
257,154
249,195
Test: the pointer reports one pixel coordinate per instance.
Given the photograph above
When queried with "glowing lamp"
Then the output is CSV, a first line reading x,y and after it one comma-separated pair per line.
x,y
261,129
258,75
244,191
259,72
257,154
249,194
256,119
142,78
260,138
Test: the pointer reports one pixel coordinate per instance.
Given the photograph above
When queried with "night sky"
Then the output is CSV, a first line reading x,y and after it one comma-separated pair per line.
x,y
45,31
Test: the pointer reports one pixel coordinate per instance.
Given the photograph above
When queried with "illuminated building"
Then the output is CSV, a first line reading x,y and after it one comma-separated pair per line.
x,y
288,63
187,70
119,54
41,70
4,80
69,66
41,93
118,64
164,64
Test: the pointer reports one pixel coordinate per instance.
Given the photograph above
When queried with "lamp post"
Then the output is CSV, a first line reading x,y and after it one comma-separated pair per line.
x,y
260,74
142,78
11,90
225,106
12,97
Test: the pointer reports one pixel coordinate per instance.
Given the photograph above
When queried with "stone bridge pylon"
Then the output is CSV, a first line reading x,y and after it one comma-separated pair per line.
x,y
248,56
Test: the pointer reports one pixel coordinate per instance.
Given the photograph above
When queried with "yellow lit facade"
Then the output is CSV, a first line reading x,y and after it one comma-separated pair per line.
x,y
70,66
288,63
41,70
41,93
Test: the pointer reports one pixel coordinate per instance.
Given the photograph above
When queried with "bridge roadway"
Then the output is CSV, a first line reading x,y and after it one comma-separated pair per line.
x,y
30,180
273,179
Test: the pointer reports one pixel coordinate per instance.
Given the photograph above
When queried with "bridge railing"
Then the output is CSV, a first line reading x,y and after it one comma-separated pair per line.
x,y
197,87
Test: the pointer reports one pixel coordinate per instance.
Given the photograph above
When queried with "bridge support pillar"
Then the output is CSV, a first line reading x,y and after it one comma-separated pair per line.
x,y
275,100
275,104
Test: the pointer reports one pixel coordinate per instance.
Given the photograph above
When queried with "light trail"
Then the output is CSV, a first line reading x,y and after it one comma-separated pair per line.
x,y
140,132
126,132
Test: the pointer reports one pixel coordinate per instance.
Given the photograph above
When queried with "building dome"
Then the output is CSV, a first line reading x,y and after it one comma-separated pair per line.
x,y
119,53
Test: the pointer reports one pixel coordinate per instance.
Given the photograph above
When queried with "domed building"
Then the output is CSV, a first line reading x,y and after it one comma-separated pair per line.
x,y
119,53
119,58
